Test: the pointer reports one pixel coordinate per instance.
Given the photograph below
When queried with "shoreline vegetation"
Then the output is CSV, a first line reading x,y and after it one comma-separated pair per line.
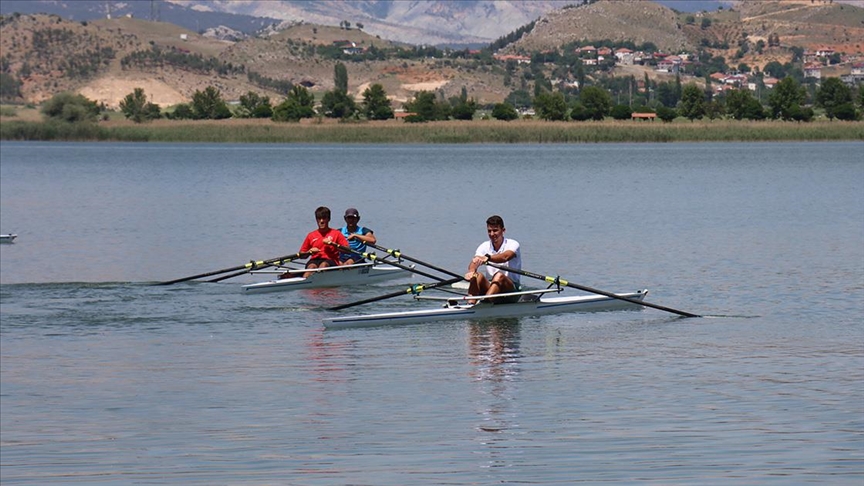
x,y
439,132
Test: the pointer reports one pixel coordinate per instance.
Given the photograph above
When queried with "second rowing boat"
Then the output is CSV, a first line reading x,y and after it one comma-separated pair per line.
x,y
530,304
358,274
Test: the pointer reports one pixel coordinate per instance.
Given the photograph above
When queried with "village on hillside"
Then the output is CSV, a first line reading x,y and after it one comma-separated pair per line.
x,y
45,56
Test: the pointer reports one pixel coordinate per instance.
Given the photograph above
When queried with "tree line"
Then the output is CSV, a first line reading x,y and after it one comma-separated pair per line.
x,y
787,101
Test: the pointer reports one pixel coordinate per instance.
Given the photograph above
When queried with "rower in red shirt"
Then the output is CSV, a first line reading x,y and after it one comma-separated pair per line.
x,y
317,243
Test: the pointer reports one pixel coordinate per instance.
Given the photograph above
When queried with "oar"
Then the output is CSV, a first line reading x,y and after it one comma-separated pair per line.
x,y
399,254
250,265
373,258
414,289
560,281
259,267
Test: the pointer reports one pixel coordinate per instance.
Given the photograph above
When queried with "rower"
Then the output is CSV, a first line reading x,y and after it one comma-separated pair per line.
x,y
318,244
500,250
357,236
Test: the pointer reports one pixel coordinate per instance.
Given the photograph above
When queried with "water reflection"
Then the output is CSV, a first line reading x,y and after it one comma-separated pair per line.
x,y
326,358
494,348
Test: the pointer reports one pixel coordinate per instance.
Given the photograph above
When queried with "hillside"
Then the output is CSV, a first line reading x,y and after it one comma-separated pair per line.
x,y
106,59
618,20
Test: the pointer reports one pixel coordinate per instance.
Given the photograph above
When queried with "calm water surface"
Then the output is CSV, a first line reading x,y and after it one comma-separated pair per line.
x,y
106,379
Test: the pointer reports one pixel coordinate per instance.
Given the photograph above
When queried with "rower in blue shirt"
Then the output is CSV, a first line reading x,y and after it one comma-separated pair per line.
x,y
357,236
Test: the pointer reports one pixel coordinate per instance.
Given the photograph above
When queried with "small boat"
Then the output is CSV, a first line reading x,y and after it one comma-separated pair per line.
x,y
531,303
357,274
8,238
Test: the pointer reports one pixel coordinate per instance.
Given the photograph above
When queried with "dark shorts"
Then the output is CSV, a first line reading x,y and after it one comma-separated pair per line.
x,y
510,299
318,261
357,259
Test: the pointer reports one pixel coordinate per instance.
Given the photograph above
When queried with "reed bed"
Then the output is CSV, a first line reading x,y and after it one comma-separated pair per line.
x,y
448,132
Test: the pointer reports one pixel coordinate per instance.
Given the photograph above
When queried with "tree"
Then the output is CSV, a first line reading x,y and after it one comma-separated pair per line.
x,y
550,106
737,101
10,86
337,104
340,77
666,114
299,104
209,105
136,107
181,112
426,108
597,102
519,99
376,106
666,94
692,102
254,106
846,112
71,108
622,112
786,99
832,94
579,113
504,111
464,110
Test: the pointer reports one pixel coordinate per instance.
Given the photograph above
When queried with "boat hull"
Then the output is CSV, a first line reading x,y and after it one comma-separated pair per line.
x,y
8,238
486,310
335,277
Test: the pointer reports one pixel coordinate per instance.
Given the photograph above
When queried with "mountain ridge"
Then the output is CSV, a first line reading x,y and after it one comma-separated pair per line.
x,y
105,59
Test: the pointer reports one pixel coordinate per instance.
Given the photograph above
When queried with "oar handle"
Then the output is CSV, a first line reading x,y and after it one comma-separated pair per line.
x,y
414,289
560,281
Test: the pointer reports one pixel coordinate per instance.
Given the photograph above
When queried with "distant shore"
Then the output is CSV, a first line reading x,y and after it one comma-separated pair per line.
x,y
456,132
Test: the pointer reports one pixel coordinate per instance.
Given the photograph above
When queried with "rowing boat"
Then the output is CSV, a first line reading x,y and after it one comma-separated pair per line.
x,y
357,274
8,238
530,304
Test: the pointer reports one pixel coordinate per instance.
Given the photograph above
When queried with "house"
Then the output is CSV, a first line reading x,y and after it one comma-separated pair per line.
x,y
351,48
665,66
856,77
586,51
813,70
643,116
511,57
670,64
718,77
624,56
604,51
769,82
824,52
735,79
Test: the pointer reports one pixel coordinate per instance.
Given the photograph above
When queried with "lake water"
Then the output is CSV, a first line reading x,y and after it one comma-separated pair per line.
x,y
106,379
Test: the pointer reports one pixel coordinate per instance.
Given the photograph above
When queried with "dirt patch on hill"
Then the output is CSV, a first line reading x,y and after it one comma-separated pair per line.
x,y
111,90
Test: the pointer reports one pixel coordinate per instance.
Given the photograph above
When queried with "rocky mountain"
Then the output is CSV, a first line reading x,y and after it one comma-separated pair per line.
x,y
415,22
153,10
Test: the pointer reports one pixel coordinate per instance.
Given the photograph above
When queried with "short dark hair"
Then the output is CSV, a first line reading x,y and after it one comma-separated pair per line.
x,y
495,220
322,212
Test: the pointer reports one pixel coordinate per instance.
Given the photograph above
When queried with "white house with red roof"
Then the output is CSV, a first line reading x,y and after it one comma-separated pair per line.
x,y
813,70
